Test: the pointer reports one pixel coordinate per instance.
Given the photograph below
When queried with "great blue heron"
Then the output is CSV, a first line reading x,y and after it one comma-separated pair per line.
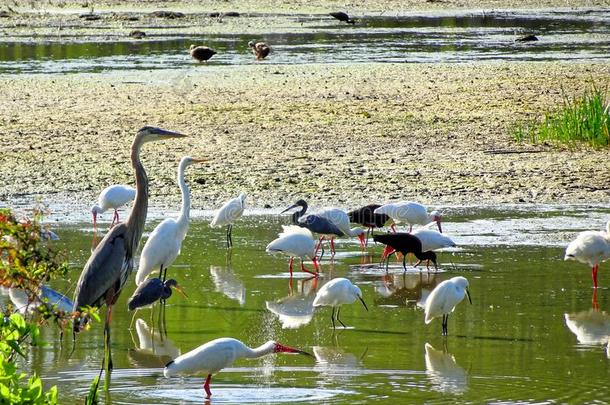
x,y
228,213
259,49
110,264
201,53
164,243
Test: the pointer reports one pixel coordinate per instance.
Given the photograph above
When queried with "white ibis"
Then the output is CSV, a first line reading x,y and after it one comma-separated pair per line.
x,y
295,241
229,213
112,197
217,354
259,49
342,221
432,240
410,213
164,243
444,298
404,243
201,53
335,293
592,248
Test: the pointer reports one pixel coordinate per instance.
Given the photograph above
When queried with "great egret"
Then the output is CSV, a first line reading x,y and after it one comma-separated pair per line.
x,y
229,213
163,245
295,241
110,264
259,49
335,293
112,197
201,53
592,248
444,298
217,354
411,213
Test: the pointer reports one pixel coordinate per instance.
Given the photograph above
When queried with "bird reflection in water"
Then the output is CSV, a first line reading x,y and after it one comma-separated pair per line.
x,y
591,327
410,289
153,349
296,309
337,365
227,283
444,373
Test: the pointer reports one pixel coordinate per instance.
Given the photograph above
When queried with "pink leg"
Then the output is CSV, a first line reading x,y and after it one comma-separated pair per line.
x,y
303,268
206,386
316,265
290,265
393,227
332,247
319,244
594,301
594,275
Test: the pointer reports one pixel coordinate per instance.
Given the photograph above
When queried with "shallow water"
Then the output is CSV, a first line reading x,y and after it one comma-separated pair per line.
x,y
566,35
512,344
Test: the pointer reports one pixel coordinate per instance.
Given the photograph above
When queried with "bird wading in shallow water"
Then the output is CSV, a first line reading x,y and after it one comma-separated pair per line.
x,y
295,241
229,213
343,17
365,216
112,197
164,243
410,213
335,293
111,263
217,354
404,243
444,298
201,53
592,248
259,49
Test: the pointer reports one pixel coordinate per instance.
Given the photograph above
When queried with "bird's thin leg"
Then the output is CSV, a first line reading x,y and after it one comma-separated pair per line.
x,y
229,239
445,319
332,247
594,300
332,318
410,228
368,231
133,318
290,265
417,264
393,228
594,275
341,322
161,272
163,320
303,268
404,264
206,386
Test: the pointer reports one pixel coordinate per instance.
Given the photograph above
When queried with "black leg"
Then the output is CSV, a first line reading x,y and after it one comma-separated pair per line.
x,y
332,318
229,238
404,262
339,310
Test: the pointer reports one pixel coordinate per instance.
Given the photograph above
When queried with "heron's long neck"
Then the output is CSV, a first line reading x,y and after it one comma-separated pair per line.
x,y
299,214
137,217
259,351
183,219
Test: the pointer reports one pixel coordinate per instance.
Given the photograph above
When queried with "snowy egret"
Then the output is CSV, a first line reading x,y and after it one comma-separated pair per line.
x,y
217,354
335,293
163,245
259,49
295,241
444,298
592,248
201,53
411,213
228,213
112,197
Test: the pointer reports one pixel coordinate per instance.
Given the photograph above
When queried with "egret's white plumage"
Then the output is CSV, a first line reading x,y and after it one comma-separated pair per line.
x,y
294,241
217,354
341,220
112,197
592,248
228,213
432,240
164,243
444,298
410,213
337,292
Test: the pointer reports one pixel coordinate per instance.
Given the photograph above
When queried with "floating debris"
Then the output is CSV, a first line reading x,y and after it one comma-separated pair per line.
x,y
167,14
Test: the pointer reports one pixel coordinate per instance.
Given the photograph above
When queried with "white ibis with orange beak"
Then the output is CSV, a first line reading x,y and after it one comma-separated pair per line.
x,y
217,354
112,197
592,248
411,213
295,241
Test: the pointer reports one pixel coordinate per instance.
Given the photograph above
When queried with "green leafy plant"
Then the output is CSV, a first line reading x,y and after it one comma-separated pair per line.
x,y
585,119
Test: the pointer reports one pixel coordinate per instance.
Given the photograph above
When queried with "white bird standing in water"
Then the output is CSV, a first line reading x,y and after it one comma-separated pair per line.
x,y
411,213
112,197
228,213
592,248
164,243
341,220
295,241
217,354
335,293
444,298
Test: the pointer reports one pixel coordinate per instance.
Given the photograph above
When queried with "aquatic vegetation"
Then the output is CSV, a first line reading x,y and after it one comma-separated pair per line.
x,y
584,119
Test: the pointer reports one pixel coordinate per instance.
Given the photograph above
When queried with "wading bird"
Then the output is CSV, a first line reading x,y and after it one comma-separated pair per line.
x,y
592,248
110,264
411,213
164,243
365,216
404,243
201,53
259,49
295,241
343,17
217,354
229,213
335,293
112,197
432,240
444,298
151,291
341,220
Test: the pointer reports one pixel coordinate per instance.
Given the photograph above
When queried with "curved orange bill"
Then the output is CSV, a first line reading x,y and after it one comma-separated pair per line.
x,y
181,291
279,348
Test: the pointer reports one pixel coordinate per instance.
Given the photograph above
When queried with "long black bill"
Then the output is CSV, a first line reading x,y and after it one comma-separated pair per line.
x,y
468,294
289,208
363,303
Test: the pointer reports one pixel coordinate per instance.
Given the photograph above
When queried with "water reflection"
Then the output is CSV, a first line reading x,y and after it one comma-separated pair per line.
x,y
336,364
153,349
410,289
296,309
444,373
227,283
591,327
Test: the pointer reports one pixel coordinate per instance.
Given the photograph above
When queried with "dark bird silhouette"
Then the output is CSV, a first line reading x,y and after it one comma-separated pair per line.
x,y
259,49
316,224
343,17
137,34
404,243
527,38
111,263
365,216
201,53
151,291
